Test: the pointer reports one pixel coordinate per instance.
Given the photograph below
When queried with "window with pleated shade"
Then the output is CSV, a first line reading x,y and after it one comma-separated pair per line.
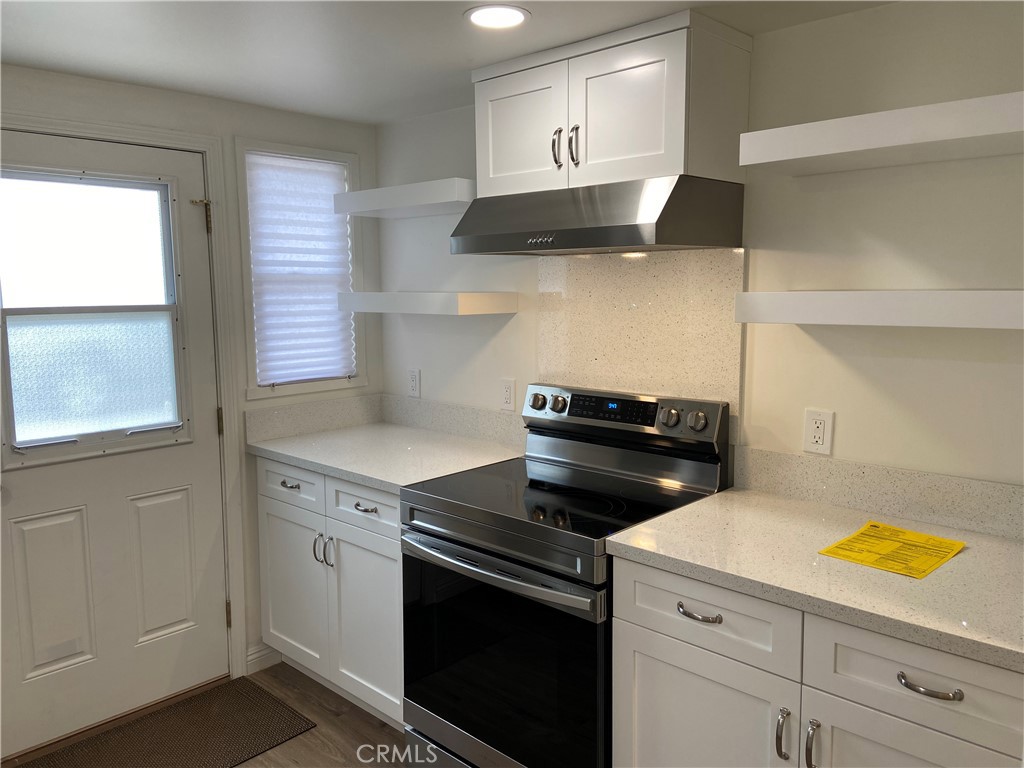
x,y
301,257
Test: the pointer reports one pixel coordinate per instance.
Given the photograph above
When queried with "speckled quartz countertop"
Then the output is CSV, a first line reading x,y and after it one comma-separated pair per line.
x,y
384,456
767,546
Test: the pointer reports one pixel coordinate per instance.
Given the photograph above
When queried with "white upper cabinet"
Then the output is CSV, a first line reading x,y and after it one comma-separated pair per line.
x,y
612,108
513,114
627,111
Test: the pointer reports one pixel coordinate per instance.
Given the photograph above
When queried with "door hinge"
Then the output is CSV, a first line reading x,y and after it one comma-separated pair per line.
x,y
227,612
220,420
209,212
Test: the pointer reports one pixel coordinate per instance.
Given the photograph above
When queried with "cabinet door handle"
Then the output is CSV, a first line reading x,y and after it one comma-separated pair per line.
x,y
315,540
716,619
330,540
780,725
812,726
291,487
574,141
956,695
368,510
556,148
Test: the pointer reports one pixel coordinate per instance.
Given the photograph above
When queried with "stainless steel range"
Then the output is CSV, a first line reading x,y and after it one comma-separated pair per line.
x,y
507,583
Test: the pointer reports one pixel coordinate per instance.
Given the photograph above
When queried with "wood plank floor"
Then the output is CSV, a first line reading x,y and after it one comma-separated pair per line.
x,y
341,727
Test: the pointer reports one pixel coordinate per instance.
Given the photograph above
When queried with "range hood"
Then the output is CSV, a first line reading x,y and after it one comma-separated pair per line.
x,y
666,213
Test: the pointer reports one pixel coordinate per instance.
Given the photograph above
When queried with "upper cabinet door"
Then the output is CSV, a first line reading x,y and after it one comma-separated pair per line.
x,y
521,131
629,103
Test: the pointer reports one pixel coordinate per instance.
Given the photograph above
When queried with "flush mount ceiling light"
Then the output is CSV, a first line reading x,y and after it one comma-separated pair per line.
x,y
497,16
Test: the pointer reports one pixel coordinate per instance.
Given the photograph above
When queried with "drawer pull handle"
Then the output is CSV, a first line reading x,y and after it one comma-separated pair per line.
x,y
367,510
327,543
315,540
956,695
779,727
716,619
812,726
290,487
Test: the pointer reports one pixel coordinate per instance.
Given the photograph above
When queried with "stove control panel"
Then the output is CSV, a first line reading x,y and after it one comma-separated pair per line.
x,y
690,420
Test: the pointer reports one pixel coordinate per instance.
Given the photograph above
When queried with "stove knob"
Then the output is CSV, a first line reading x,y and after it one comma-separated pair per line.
x,y
670,417
697,421
538,401
558,403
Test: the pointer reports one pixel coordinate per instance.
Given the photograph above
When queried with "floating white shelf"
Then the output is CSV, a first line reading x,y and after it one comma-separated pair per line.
x,y
920,309
402,302
427,198
953,130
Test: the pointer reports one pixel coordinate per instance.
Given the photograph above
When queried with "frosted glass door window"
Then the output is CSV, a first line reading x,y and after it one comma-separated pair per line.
x,y
76,374
89,314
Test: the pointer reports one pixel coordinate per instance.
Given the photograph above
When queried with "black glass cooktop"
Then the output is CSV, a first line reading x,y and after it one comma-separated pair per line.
x,y
575,501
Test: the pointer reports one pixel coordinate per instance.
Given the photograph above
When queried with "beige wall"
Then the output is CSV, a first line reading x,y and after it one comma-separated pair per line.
x,y
937,400
82,100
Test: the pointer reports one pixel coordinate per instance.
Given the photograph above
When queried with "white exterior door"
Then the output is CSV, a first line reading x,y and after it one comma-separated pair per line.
x,y
521,135
365,594
854,735
677,705
629,103
113,549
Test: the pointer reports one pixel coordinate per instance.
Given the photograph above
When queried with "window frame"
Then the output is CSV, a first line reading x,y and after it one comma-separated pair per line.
x,y
118,441
243,146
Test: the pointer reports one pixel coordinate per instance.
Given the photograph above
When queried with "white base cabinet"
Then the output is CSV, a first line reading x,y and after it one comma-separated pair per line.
x,y
293,585
701,674
331,589
676,705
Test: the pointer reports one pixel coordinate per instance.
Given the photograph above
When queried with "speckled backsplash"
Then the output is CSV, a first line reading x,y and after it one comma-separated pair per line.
x,y
316,416
658,323
504,427
956,502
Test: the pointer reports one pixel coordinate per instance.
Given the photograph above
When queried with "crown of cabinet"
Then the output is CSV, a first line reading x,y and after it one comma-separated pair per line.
x,y
981,127
426,198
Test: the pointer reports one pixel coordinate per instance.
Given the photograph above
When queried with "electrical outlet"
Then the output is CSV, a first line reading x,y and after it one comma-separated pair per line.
x,y
413,383
508,394
818,431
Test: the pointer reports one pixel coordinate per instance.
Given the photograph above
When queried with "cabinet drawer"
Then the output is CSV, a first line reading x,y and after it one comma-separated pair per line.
x,y
753,631
377,510
862,666
290,484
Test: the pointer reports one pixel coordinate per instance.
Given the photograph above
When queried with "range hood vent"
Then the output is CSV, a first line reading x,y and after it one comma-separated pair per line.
x,y
663,214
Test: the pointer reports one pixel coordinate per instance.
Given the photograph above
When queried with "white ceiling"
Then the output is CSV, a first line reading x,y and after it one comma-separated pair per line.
x,y
366,61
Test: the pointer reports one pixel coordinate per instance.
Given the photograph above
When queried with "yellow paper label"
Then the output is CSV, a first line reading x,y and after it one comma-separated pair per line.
x,y
894,549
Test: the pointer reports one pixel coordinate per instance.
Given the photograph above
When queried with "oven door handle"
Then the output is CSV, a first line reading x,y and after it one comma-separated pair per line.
x,y
534,592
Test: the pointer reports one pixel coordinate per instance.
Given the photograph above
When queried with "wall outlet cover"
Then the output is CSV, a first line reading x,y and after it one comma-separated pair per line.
x,y
818,431
507,399
413,383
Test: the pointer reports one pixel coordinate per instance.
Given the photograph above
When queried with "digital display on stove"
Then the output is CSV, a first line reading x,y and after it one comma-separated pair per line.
x,y
605,409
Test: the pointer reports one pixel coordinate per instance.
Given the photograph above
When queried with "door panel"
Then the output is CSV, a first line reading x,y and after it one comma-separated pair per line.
x,y
516,117
113,564
293,583
365,589
630,104
675,705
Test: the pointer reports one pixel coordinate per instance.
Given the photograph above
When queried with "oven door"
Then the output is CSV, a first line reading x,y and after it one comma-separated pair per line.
x,y
504,665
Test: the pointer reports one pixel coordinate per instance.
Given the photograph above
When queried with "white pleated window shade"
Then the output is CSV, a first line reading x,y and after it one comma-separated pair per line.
x,y
301,253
